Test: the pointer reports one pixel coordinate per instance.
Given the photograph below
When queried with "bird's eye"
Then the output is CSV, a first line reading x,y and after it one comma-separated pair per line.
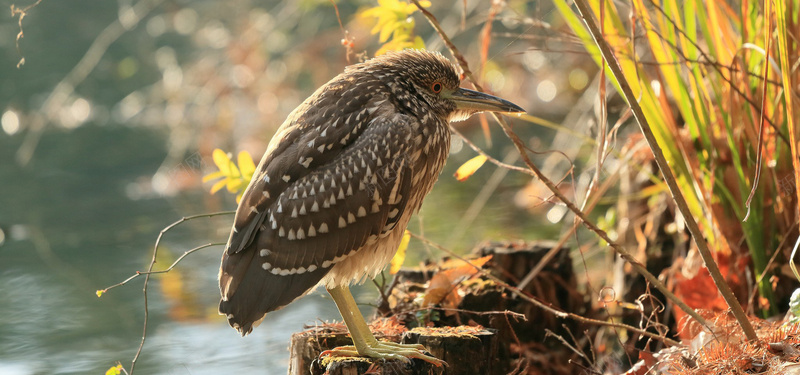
x,y
436,87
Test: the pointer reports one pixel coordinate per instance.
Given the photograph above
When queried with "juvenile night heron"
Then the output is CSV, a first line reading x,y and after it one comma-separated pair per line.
x,y
337,185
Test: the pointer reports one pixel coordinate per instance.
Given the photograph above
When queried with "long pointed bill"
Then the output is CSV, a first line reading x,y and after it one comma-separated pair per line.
x,y
474,101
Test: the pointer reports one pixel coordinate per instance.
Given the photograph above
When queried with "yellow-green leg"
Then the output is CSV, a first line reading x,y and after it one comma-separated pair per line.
x,y
364,343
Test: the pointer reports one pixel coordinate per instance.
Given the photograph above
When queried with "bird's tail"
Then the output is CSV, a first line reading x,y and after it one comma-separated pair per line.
x,y
249,292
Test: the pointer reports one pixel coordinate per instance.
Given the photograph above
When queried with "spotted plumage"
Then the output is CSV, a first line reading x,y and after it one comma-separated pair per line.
x,y
339,181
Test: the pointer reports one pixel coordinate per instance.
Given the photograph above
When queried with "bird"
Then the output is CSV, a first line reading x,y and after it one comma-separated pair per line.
x,y
333,194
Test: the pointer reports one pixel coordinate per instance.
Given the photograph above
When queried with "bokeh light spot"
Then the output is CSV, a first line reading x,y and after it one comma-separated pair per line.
x,y
578,79
10,122
546,91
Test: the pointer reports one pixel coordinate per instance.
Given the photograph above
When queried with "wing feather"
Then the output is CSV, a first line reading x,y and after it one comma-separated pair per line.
x,y
285,259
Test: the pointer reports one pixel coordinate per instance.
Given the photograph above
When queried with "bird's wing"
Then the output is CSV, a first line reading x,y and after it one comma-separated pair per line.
x,y
313,135
319,220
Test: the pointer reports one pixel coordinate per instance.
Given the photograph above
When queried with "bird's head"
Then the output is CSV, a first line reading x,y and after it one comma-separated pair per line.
x,y
435,80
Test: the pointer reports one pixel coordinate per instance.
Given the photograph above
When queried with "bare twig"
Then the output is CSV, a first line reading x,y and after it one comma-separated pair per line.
x,y
21,13
639,267
175,263
489,158
150,272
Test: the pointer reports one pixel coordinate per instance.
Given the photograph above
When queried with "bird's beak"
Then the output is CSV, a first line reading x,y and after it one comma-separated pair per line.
x,y
474,101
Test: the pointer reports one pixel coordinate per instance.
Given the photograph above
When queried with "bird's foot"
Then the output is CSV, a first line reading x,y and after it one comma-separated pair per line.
x,y
386,351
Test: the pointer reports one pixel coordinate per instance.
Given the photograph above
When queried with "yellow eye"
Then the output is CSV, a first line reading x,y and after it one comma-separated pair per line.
x,y
436,87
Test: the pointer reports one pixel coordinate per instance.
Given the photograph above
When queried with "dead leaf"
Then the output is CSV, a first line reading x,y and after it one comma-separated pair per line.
x,y
442,288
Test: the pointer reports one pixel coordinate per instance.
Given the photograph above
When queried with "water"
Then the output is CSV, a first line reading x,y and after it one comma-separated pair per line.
x,y
71,228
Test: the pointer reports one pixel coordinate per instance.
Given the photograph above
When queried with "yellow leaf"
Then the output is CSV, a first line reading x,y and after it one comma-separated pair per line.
x,y
419,43
100,292
213,176
116,370
468,169
246,165
400,255
219,185
234,184
388,29
222,161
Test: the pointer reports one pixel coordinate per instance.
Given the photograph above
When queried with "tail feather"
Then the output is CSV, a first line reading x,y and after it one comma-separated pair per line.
x,y
249,291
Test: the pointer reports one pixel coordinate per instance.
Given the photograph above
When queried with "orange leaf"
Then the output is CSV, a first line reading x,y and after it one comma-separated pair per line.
x,y
443,285
468,169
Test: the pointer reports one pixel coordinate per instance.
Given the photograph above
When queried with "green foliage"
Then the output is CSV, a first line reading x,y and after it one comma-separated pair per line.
x,y
701,78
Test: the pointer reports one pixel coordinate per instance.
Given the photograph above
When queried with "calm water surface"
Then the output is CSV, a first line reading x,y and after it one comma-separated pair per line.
x,y
73,222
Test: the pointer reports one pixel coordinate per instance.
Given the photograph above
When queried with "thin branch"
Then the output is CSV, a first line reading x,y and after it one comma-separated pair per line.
x,y
175,263
639,267
150,271
21,13
489,158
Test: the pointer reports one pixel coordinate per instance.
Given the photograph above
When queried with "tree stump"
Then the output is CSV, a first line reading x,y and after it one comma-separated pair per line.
x,y
467,350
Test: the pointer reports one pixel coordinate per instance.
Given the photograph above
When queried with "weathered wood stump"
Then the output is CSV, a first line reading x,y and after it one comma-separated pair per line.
x,y
468,350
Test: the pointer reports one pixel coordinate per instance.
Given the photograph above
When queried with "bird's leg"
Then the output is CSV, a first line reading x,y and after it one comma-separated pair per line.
x,y
364,343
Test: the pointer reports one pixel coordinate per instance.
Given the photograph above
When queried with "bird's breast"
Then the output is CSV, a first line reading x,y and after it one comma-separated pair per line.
x,y
431,147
